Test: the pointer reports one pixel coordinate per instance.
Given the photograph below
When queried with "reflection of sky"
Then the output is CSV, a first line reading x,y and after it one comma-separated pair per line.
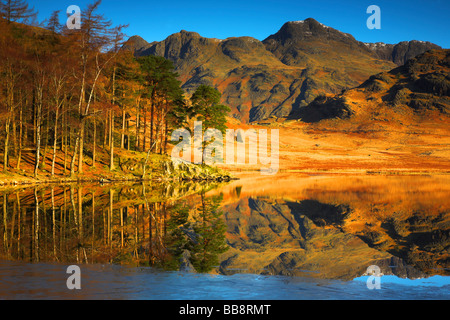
x,y
434,281
48,281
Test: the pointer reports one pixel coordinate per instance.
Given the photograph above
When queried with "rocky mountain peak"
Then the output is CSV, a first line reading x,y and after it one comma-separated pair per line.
x,y
136,44
309,29
282,73
188,34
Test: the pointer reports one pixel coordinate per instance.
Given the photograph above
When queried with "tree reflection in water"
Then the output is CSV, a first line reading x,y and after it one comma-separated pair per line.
x,y
130,224
332,228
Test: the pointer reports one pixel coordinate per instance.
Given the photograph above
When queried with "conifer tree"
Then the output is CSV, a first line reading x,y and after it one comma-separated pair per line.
x,y
207,107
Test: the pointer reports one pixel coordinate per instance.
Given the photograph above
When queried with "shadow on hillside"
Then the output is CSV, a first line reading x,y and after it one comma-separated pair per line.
x,y
322,108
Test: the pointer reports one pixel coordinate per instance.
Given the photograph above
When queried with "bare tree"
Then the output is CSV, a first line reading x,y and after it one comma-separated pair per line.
x,y
16,11
53,23
39,83
12,76
96,38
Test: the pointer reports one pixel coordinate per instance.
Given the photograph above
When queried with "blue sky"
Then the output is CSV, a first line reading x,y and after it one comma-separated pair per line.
x,y
401,20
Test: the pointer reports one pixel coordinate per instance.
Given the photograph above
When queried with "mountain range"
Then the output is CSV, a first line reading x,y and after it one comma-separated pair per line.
x,y
282,74
420,87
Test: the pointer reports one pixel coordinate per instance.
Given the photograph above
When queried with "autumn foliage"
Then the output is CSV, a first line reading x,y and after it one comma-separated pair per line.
x,y
66,95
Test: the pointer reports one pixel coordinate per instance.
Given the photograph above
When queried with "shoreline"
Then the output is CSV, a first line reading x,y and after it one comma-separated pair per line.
x,y
232,174
187,173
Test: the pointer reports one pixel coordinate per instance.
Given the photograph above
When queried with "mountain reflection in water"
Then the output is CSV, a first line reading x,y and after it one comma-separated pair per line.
x,y
335,227
322,227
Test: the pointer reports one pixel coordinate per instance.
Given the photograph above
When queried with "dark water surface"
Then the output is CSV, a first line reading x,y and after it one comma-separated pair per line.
x,y
292,237
99,282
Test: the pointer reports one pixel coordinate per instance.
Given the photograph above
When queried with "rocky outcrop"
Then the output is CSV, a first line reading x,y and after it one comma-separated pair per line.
x,y
401,52
419,87
324,108
422,84
184,171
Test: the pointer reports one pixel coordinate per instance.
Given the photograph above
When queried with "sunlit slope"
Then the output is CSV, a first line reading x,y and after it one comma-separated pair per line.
x,y
255,81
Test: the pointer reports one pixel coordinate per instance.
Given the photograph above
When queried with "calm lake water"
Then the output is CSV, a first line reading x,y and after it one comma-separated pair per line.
x,y
288,237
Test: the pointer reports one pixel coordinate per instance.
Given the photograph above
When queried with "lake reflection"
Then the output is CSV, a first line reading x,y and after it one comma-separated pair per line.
x,y
335,227
327,227
118,224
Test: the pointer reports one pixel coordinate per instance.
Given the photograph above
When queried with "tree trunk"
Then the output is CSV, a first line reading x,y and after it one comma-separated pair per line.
x,y
94,144
151,122
34,104
138,129
45,140
81,113
128,140
72,163
122,140
19,157
161,142
65,143
38,139
166,137
105,132
5,155
111,149
144,145
14,134
81,146
55,140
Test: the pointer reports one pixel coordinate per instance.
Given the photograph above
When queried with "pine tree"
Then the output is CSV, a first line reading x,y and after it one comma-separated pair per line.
x,y
207,107
163,90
